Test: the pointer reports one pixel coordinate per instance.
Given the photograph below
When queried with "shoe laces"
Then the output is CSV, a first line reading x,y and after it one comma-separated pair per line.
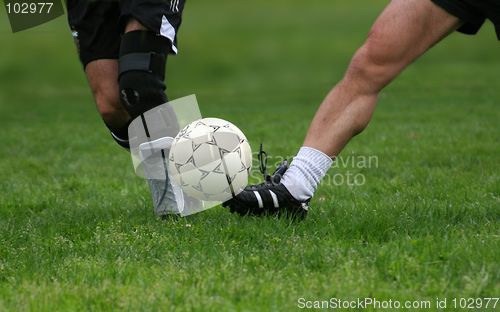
x,y
280,170
262,156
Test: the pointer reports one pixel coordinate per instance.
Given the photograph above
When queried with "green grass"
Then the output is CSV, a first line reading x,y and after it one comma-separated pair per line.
x,y
77,230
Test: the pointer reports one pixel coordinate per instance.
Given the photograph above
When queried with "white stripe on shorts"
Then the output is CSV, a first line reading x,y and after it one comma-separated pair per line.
x,y
168,31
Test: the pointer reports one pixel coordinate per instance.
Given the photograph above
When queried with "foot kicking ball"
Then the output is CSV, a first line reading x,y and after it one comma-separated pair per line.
x,y
210,159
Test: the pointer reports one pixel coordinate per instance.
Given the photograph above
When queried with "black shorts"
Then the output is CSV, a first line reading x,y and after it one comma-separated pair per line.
x,y
98,25
473,12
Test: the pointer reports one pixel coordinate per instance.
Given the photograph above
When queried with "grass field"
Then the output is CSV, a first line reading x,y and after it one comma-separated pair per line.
x,y
78,233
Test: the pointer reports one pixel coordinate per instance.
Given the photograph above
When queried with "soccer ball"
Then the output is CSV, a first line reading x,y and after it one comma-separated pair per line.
x,y
210,159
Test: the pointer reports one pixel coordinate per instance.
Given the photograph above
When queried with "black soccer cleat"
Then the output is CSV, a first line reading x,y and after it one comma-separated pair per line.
x,y
268,198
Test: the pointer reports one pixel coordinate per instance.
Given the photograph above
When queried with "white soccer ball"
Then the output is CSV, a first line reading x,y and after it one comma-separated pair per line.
x,y
210,159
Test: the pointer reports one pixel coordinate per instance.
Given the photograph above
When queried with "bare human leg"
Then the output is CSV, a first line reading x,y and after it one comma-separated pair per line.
x,y
405,30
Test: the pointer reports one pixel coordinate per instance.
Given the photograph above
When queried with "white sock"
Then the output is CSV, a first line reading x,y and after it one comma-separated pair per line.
x,y
305,172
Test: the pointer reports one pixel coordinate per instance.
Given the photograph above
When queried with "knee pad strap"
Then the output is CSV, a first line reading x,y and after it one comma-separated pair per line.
x,y
148,62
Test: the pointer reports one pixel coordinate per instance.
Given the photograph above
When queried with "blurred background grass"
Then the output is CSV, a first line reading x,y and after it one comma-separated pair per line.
x,y
277,58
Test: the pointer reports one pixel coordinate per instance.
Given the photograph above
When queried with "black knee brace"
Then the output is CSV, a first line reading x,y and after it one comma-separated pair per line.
x,y
143,58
